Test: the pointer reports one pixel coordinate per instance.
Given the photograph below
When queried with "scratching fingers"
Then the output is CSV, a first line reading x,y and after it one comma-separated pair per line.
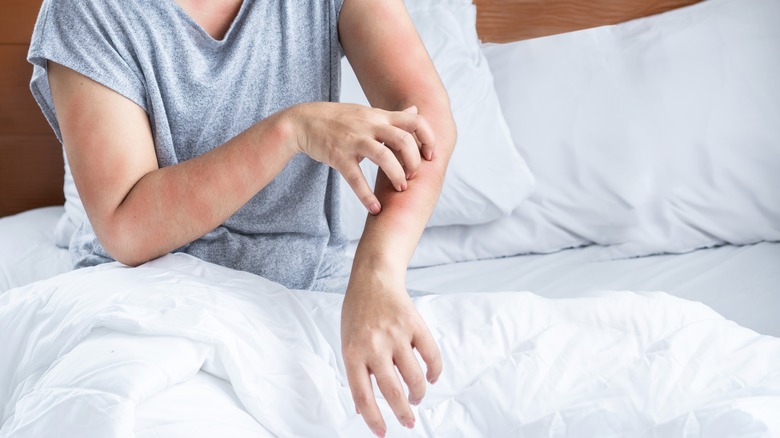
x,y
404,143
386,160
357,181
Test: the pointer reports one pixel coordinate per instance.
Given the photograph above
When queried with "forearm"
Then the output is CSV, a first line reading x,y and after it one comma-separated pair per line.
x,y
172,206
390,238
396,73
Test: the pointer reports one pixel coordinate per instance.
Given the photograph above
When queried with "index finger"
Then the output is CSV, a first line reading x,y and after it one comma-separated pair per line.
x,y
357,181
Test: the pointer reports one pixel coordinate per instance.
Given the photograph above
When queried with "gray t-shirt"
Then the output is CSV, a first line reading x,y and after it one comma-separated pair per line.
x,y
200,92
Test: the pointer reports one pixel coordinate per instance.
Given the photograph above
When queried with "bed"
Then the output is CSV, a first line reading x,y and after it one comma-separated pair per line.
x,y
738,282
663,323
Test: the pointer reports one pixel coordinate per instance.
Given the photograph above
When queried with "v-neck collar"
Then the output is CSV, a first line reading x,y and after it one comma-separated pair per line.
x,y
203,31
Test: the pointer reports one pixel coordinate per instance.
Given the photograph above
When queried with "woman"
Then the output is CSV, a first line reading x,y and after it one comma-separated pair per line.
x,y
208,127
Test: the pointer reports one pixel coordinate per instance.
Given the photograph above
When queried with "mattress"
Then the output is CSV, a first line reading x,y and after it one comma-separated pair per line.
x,y
742,283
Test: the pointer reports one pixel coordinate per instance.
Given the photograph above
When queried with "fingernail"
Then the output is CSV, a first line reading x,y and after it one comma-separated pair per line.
x,y
379,432
429,155
433,380
414,402
408,423
374,208
357,411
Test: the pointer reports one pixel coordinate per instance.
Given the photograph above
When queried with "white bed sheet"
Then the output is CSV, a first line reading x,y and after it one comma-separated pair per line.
x,y
740,283
27,249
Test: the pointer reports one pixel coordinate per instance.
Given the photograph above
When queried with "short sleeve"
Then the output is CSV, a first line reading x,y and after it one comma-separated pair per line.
x,y
334,23
91,37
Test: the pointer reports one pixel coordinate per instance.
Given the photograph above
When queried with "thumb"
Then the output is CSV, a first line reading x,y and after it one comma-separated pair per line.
x,y
412,109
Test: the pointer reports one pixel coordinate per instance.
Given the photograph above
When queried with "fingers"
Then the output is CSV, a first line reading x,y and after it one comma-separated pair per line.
x,y
363,395
357,181
388,383
386,160
404,143
405,132
424,133
410,121
412,374
425,344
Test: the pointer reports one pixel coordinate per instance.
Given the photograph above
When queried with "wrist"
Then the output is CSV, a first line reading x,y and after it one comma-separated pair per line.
x,y
286,124
380,265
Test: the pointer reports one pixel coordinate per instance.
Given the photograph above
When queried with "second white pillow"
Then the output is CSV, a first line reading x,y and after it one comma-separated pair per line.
x,y
659,135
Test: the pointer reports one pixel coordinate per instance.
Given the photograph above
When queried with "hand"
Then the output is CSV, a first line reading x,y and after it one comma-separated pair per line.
x,y
379,329
341,135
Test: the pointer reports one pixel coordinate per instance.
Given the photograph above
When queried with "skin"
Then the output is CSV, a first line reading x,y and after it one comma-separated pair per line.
x,y
140,211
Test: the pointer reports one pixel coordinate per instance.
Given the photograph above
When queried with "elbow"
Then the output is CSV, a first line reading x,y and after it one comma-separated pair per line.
x,y
123,245
130,260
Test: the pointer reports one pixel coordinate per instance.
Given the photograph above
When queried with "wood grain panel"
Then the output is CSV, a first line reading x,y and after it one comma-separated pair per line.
x,y
503,21
19,114
17,20
31,172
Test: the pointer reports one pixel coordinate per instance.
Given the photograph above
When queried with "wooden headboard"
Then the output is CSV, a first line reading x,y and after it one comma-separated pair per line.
x,y
31,167
502,21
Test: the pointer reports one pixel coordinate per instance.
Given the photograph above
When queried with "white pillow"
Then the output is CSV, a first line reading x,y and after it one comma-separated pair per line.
x,y
74,213
659,135
487,178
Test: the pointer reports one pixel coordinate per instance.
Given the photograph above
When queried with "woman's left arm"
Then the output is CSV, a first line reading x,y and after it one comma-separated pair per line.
x,y
380,325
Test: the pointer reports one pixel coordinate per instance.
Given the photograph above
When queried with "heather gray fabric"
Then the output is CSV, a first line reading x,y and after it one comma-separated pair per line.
x,y
200,92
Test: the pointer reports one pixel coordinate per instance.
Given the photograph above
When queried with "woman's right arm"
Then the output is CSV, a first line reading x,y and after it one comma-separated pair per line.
x,y
140,211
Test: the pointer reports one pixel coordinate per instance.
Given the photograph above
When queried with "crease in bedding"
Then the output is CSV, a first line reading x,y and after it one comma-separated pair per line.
x,y
85,351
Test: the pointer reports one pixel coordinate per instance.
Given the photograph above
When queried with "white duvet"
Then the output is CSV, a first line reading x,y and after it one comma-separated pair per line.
x,y
88,353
